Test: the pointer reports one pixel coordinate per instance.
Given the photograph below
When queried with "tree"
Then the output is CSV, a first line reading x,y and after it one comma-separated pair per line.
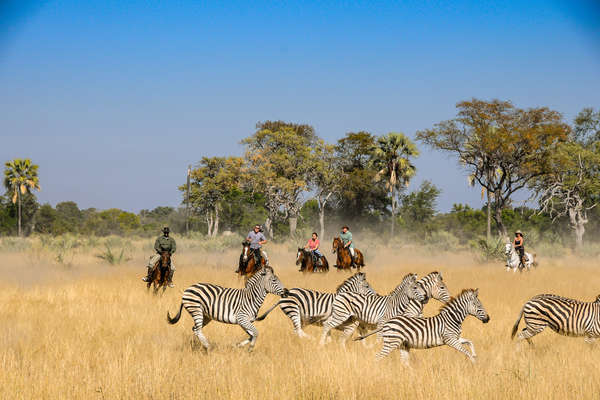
x,y
572,185
419,206
211,181
495,135
358,198
324,179
391,156
280,157
20,177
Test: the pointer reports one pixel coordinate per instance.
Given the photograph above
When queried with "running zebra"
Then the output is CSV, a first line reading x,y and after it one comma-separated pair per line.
x,y
309,307
564,316
206,302
406,333
351,309
434,287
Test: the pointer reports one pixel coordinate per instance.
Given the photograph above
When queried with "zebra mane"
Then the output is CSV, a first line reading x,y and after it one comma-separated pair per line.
x,y
403,284
597,299
349,280
454,299
256,276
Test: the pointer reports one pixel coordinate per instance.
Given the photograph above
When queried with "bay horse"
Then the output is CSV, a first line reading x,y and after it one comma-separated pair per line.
x,y
160,273
344,258
248,264
307,260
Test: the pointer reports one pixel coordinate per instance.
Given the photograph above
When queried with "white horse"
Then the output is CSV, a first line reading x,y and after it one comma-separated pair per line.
x,y
512,258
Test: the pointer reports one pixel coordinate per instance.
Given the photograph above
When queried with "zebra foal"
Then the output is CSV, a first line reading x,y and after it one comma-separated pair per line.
x,y
564,316
351,309
206,302
310,307
406,333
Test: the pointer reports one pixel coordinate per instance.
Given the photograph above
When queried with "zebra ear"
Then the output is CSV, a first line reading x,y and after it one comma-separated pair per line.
x,y
440,276
476,292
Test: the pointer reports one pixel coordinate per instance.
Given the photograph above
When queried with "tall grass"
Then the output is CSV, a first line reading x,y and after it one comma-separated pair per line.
x,y
90,333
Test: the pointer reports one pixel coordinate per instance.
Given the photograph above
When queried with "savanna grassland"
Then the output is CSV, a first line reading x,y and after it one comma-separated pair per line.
x,y
84,329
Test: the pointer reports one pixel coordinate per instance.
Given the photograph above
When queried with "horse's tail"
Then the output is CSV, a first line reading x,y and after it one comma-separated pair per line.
x,y
535,262
516,325
367,335
260,318
174,320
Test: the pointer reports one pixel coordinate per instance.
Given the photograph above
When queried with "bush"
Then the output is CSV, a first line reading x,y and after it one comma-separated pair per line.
x,y
487,251
443,241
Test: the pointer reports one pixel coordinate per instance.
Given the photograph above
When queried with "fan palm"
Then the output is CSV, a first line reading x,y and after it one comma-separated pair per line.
x,y
20,177
391,156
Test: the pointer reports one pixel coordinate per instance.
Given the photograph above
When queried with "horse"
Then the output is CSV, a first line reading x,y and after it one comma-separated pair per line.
x,y
344,258
513,262
160,273
307,260
247,264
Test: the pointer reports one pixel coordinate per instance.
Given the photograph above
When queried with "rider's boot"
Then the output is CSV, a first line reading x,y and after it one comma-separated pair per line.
x,y
147,277
170,278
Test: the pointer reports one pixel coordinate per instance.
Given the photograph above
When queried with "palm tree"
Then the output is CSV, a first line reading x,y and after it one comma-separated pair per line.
x,y
20,177
391,156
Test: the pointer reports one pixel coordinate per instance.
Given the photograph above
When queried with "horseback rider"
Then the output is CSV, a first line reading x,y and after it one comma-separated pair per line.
x,y
257,239
313,245
346,237
162,243
520,247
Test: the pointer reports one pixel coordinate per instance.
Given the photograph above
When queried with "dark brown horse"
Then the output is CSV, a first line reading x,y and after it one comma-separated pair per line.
x,y
248,265
306,259
344,259
160,273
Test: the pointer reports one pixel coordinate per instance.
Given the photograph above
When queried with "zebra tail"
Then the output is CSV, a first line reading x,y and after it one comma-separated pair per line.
x,y
516,326
267,312
174,320
367,335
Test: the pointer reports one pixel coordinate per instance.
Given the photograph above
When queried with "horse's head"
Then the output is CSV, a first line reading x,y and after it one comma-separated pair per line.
x,y
299,255
508,249
272,283
165,258
336,244
245,250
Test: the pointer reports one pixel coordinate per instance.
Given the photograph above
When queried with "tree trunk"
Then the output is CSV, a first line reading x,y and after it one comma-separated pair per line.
x,y
293,221
215,231
393,212
322,221
19,210
268,227
209,223
499,224
489,217
578,225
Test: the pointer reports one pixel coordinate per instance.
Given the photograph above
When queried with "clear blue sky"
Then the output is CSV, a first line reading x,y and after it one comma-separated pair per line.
x,y
113,99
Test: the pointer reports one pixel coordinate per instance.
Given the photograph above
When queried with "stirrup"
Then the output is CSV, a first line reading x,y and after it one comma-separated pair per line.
x,y
146,279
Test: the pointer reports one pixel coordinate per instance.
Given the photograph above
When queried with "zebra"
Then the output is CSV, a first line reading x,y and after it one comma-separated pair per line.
x,y
351,309
206,302
309,307
434,287
564,316
423,333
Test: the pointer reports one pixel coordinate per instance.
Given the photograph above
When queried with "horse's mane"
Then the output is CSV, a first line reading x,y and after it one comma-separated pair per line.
x,y
345,282
454,299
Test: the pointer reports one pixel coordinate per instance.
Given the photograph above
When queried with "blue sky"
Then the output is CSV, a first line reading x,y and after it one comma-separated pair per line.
x,y
113,99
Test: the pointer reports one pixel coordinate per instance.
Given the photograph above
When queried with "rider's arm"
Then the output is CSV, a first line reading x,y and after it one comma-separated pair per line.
x,y
263,239
174,246
157,245
349,240
317,244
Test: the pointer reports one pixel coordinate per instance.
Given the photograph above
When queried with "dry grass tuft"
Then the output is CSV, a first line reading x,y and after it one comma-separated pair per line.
x,y
92,331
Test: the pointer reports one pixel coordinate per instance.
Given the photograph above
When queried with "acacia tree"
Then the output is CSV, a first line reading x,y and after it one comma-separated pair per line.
x,y
324,179
280,157
572,185
391,156
212,179
20,177
495,135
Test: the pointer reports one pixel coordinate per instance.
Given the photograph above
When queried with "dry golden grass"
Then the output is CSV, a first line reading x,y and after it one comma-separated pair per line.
x,y
92,331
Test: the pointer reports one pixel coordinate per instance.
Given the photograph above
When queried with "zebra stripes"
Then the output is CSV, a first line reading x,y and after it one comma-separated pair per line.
x,y
309,307
564,316
434,287
206,302
404,333
349,308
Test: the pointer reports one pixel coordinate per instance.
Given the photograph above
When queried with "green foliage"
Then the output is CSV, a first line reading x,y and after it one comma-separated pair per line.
x,y
488,251
419,207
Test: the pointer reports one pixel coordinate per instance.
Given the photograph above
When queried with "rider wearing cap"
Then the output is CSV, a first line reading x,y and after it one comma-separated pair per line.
x,y
346,237
520,247
162,243
257,239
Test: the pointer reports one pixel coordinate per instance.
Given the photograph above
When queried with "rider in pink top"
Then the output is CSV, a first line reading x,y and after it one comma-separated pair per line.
x,y
313,245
